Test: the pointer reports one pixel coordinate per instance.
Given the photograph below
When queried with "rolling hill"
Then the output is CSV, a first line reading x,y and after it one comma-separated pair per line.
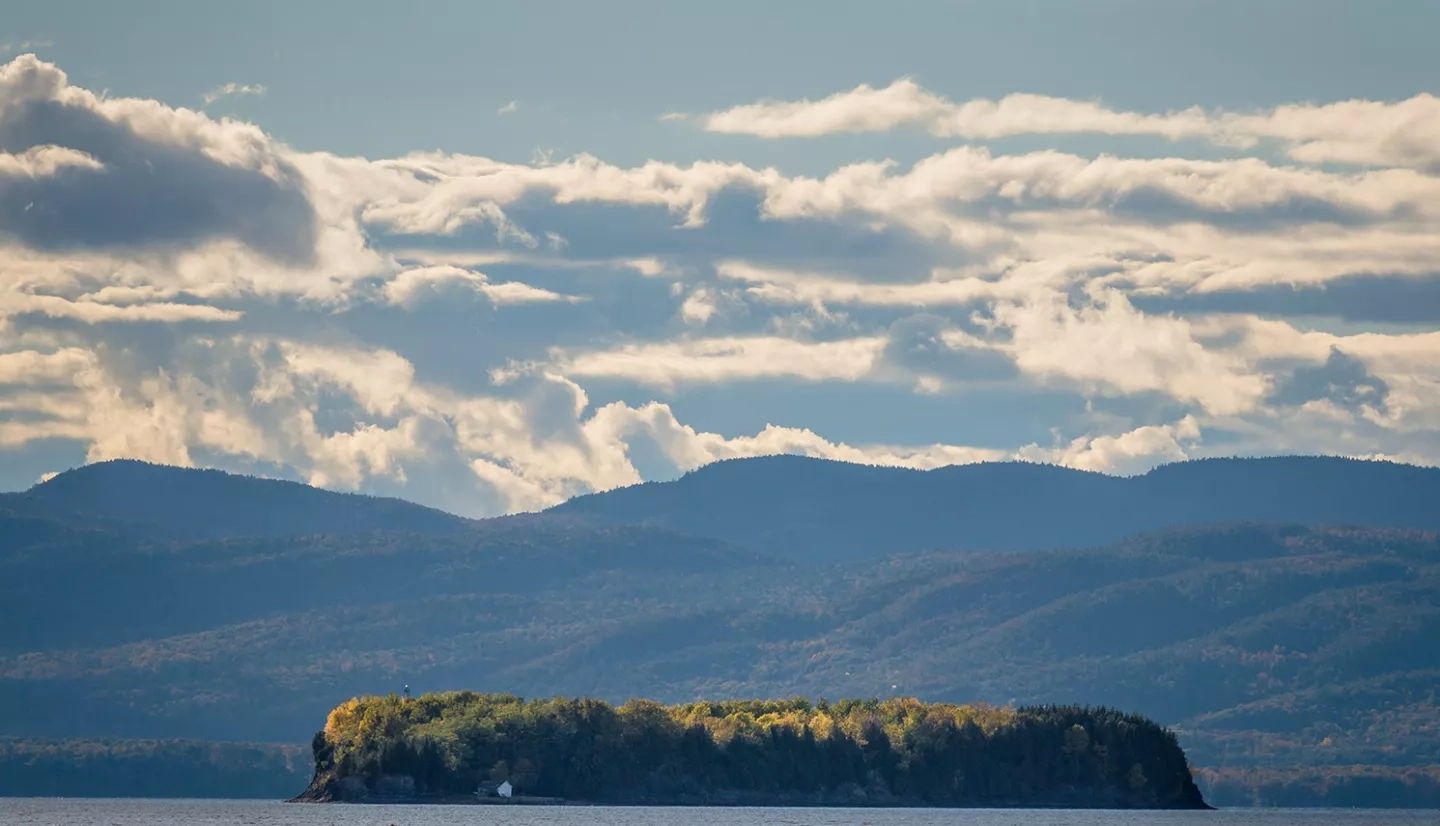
x,y
825,511
157,501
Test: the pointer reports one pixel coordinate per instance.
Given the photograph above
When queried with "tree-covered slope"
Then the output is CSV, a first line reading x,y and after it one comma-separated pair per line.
x,y
1327,786
897,752
818,510
92,588
150,768
183,503
1199,628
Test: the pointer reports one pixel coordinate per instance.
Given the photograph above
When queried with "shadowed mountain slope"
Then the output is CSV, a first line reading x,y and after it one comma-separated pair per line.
x,y
183,503
820,510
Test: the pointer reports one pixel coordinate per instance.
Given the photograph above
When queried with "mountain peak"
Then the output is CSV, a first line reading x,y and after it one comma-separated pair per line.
x,y
192,503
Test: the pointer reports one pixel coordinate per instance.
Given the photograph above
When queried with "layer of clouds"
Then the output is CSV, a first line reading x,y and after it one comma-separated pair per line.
x,y
489,336
1398,133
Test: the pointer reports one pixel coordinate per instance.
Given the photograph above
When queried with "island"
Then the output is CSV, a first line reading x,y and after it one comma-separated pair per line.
x,y
500,748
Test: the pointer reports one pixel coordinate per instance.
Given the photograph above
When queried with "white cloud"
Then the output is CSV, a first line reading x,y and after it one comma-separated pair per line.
x,y
508,109
169,414
1400,133
689,449
33,367
1409,363
714,360
809,288
699,307
514,292
1134,451
862,109
1378,133
904,102
95,312
232,90
410,287
45,161
1108,346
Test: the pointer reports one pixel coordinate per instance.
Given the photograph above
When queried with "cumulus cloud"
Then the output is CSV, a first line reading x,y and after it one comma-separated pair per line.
x,y
130,174
1128,453
1107,346
699,307
688,449
257,399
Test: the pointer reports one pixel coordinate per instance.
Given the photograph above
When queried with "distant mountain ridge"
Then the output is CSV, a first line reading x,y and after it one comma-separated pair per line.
x,y
803,508
192,504
796,507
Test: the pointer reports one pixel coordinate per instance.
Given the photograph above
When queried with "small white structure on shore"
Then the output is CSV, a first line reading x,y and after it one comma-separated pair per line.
x,y
493,789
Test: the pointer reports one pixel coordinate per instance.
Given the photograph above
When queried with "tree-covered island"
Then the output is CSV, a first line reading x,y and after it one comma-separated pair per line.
x,y
900,752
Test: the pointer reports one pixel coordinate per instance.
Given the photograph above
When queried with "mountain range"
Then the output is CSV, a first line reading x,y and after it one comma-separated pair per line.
x,y
1277,611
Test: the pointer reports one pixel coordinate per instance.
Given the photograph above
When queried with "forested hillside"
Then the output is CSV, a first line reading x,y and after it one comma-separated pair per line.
x,y
174,503
150,768
899,752
1264,645
816,510
1335,787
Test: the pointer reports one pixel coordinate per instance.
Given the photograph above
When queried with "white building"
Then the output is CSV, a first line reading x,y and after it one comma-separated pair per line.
x,y
505,789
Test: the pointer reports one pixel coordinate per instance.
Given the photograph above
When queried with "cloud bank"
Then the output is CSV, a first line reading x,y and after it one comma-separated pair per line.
x,y
490,337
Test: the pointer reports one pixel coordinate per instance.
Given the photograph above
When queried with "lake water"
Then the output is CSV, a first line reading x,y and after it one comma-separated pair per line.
x,y
54,812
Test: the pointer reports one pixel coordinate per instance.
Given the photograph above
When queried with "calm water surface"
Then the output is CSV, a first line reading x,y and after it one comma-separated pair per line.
x,y
51,812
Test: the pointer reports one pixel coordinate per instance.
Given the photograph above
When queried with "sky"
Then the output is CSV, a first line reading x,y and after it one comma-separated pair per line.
x,y
488,257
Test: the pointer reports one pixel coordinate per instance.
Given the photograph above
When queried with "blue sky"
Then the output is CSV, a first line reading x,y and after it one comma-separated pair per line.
x,y
490,256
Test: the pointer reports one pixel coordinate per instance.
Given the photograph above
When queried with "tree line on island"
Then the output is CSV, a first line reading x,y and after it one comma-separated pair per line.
x,y
768,752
